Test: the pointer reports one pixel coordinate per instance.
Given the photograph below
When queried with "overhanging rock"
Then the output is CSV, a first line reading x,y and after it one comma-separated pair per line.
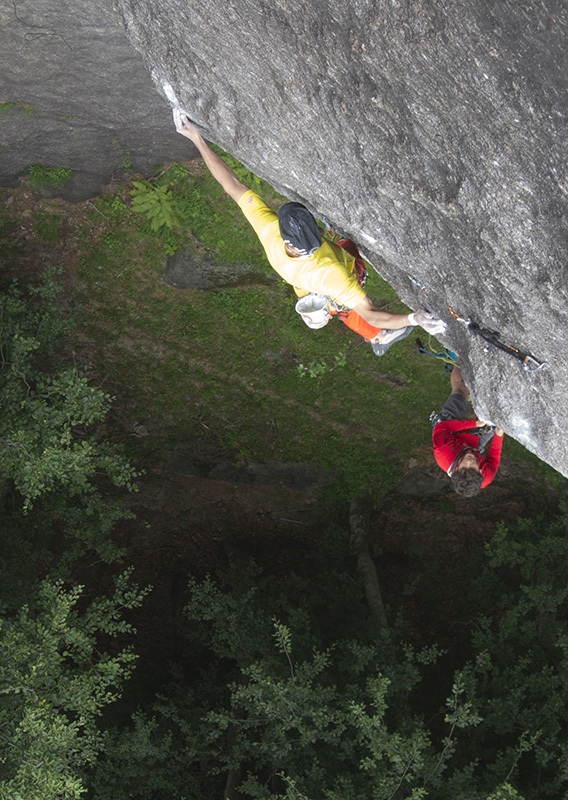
x,y
434,134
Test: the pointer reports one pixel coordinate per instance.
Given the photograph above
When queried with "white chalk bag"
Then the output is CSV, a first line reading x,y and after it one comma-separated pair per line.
x,y
313,308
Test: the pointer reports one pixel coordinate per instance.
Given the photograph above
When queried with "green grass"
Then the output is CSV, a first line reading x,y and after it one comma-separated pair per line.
x,y
240,360
48,225
232,356
21,107
42,175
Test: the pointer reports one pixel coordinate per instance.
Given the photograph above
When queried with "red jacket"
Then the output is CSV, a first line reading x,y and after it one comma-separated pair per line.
x,y
447,446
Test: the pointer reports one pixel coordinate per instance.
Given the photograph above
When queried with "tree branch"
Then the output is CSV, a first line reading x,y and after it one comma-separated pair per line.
x,y
359,518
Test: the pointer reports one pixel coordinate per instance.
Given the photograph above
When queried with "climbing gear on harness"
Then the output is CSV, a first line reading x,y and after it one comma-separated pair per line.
x,y
485,433
528,362
359,265
435,418
447,356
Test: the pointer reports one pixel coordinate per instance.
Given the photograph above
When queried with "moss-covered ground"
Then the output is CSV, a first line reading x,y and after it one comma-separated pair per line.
x,y
237,362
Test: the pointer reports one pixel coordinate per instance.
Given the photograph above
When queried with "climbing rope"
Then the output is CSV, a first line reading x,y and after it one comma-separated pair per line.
x,y
433,349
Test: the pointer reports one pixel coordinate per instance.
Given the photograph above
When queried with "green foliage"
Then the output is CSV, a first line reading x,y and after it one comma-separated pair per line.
x,y
45,425
112,206
322,720
279,679
12,244
316,369
522,652
313,370
55,682
49,429
42,175
297,718
170,204
127,162
42,434
48,226
145,762
292,715
24,108
154,201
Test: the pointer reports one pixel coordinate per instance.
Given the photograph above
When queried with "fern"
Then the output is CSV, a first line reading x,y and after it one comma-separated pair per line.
x,y
155,203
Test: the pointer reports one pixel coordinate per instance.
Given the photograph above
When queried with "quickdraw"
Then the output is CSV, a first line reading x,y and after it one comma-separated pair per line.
x,y
529,363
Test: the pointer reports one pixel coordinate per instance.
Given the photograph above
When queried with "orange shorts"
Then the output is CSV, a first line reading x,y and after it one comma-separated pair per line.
x,y
357,324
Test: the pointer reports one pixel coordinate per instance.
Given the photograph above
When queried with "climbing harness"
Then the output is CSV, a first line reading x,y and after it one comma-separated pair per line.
x,y
484,432
359,265
480,430
528,362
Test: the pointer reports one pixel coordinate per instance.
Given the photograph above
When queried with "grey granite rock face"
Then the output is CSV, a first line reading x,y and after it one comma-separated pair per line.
x,y
81,96
433,133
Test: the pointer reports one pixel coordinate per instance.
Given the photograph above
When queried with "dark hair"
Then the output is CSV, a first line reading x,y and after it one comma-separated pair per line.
x,y
467,481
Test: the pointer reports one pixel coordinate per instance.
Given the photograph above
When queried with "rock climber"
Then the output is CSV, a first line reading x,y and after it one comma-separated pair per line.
x,y
295,249
458,446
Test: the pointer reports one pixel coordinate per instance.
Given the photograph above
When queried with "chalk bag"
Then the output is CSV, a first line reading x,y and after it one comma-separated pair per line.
x,y
313,308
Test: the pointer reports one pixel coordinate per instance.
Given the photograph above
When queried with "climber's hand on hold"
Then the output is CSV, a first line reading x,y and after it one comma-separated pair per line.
x,y
185,126
481,422
428,322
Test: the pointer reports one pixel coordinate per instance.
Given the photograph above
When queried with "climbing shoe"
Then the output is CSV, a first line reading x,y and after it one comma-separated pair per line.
x,y
389,338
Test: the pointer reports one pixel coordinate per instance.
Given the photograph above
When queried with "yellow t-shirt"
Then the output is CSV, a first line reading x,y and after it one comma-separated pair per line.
x,y
329,271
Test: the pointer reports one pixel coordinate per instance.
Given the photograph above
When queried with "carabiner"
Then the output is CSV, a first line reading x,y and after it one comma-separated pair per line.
x,y
530,364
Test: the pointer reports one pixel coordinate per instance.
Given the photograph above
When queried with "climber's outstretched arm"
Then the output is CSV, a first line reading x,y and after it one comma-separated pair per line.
x,y
380,319
383,319
216,166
